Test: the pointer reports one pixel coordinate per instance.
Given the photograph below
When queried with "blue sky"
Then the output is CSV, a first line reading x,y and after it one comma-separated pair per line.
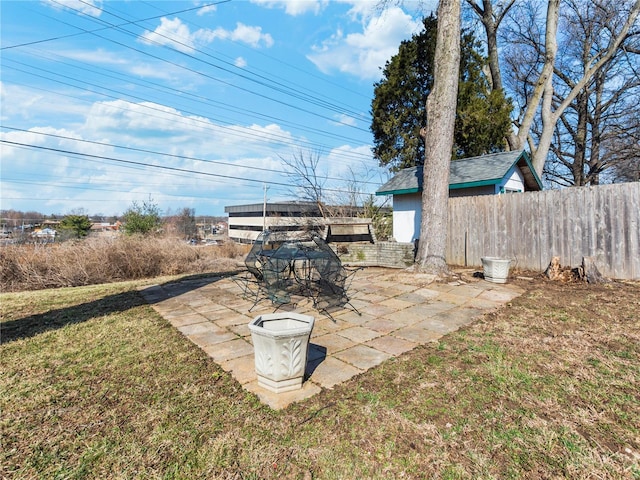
x,y
188,104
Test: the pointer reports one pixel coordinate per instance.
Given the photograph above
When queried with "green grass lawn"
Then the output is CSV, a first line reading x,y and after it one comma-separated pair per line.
x,y
96,385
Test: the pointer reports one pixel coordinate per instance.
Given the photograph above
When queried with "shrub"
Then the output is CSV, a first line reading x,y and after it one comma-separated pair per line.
x,y
104,260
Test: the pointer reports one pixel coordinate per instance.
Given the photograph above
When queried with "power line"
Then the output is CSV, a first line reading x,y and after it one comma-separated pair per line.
x,y
170,155
173,91
60,37
233,72
161,167
234,131
269,78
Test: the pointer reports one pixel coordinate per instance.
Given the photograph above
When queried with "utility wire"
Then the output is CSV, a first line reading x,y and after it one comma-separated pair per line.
x,y
60,37
153,152
162,167
198,72
170,90
263,79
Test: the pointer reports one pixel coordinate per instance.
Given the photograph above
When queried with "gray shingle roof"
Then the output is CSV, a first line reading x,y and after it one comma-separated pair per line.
x,y
468,172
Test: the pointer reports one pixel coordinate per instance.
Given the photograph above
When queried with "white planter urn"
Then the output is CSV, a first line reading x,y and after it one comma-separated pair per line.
x,y
495,269
281,345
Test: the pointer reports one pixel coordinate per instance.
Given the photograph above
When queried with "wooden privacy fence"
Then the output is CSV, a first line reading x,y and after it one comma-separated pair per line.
x,y
602,222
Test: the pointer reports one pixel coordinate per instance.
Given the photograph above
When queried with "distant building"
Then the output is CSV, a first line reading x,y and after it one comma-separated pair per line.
x,y
247,221
44,234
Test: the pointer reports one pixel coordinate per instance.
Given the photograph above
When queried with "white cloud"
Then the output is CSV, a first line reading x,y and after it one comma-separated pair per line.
x,y
176,34
28,103
243,33
148,126
364,54
173,33
294,7
207,9
134,65
240,62
345,158
344,119
158,127
88,7
98,56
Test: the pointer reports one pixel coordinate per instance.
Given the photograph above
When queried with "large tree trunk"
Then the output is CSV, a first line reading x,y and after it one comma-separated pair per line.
x,y
441,113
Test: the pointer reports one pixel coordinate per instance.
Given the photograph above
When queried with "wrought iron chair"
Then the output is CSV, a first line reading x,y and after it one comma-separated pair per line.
x,y
250,281
333,279
275,283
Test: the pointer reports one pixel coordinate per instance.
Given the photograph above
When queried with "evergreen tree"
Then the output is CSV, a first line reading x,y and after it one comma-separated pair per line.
x,y
399,112
77,226
142,219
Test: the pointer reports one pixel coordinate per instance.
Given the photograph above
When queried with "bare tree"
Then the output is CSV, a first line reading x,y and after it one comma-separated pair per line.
x,y
307,181
540,97
625,157
441,112
586,89
511,24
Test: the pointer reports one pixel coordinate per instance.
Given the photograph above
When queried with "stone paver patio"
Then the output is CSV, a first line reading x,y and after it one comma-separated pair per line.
x,y
399,311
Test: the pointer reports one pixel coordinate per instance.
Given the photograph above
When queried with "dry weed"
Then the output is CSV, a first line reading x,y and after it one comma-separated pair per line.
x,y
103,260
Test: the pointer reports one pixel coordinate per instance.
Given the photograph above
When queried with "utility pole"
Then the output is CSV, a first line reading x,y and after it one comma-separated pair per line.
x,y
264,208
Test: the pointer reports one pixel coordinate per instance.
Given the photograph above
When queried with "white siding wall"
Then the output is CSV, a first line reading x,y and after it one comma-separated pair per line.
x,y
406,216
514,181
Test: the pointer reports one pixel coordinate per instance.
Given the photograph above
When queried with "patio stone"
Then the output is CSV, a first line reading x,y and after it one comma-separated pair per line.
x,y
406,317
278,401
243,368
362,357
203,340
197,328
413,297
241,330
427,293
230,318
429,309
229,350
332,342
438,325
189,319
396,304
209,308
382,325
469,291
498,295
172,311
453,298
399,310
359,334
391,345
352,318
416,334
331,371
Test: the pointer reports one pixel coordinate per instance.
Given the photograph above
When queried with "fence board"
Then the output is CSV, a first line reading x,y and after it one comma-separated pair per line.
x,y
602,222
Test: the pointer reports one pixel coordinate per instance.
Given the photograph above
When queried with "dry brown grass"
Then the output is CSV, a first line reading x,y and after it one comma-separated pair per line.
x,y
96,385
103,260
